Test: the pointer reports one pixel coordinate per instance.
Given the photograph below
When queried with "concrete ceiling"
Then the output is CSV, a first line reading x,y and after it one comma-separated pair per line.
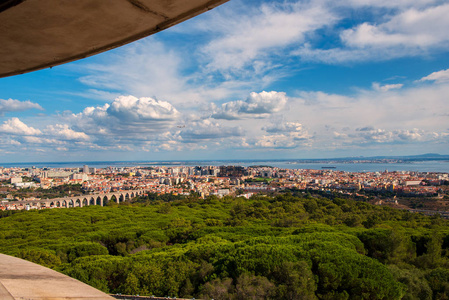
x,y
37,34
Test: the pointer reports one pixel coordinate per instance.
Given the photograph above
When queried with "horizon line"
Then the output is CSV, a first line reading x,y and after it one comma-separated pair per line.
x,y
423,156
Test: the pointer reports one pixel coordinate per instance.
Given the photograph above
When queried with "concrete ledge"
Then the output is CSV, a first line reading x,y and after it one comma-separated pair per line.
x,y
21,279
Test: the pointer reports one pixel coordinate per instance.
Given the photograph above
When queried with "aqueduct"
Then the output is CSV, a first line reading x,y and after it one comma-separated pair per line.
x,y
78,201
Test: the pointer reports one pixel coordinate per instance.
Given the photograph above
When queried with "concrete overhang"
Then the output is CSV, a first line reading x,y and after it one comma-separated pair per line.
x,y
37,34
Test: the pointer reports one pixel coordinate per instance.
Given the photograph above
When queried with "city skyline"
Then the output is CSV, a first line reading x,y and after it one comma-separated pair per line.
x,y
247,80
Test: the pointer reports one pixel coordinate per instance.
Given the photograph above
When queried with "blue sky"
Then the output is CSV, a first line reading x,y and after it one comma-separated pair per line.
x,y
249,79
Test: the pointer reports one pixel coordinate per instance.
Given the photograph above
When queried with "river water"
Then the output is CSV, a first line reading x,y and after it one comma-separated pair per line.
x,y
414,165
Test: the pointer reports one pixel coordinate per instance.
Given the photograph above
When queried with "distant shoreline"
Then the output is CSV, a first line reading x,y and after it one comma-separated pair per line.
x,y
440,164
350,160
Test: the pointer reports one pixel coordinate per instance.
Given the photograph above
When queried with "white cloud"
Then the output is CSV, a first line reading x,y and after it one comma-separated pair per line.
x,y
152,67
439,77
14,143
378,135
129,109
207,130
256,105
125,123
126,116
12,105
388,3
386,87
249,38
411,28
283,127
404,29
49,142
16,127
279,141
144,62
168,146
65,133
412,115
283,135
314,120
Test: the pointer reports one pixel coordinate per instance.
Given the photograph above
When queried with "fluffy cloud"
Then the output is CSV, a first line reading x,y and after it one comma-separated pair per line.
x,y
256,105
207,130
284,135
50,142
16,127
411,107
65,133
369,137
403,29
413,115
411,28
143,67
291,130
377,135
126,123
439,77
152,67
126,116
245,39
279,141
283,127
388,3
12,105
129,109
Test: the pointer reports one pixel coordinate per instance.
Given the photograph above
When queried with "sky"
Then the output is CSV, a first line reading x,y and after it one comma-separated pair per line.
x,y
246,80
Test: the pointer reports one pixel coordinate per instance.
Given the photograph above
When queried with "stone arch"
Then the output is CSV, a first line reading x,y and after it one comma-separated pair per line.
x,y
132,195
52,204
85,202
92,201
114,199
121,198
70,203
64,204
58,203
98,201
105,200
127,197
78,203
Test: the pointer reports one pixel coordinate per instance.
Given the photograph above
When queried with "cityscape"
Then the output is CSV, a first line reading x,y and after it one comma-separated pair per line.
x,y
218,181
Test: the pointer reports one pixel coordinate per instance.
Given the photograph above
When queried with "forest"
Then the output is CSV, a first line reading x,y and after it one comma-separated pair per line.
x,y
287,246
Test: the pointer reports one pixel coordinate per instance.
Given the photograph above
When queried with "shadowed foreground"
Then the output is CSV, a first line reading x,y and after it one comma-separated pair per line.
x,y
21,279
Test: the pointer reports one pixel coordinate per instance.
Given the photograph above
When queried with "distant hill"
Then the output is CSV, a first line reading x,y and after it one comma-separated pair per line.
x,y
426,156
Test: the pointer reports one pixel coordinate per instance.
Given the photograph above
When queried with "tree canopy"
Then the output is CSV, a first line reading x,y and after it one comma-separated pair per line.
x,y
286,246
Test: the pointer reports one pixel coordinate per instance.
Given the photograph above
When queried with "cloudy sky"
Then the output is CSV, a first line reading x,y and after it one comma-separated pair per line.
x,y
249,79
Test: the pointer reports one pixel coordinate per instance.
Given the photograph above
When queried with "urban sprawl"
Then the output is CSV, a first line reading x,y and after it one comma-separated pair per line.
x,y
218,180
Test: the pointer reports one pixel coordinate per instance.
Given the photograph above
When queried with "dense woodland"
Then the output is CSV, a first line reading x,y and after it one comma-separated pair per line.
x,y
287,246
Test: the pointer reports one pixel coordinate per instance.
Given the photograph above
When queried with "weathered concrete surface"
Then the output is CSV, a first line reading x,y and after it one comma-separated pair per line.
x,y
36,34
21,279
